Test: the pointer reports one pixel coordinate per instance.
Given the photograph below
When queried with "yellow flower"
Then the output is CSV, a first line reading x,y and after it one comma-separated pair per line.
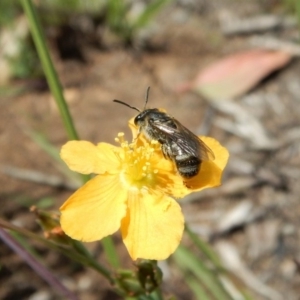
x,y
134,191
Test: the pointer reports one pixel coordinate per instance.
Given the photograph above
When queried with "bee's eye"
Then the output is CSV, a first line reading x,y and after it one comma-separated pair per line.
x,y
138,119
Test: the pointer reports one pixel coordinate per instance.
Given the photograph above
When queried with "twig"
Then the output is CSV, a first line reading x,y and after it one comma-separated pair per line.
x,y
271,43
244,125
231,25
207,121
38,177
36,265
230,187
233,262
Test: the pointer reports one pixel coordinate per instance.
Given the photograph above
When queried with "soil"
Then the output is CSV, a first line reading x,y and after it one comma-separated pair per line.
x,y
185,38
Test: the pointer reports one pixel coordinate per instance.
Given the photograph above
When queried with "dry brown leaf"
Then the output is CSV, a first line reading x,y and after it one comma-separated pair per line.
x,y
236,74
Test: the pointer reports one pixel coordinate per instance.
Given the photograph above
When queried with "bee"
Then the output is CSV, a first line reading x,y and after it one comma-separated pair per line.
x,y
178,143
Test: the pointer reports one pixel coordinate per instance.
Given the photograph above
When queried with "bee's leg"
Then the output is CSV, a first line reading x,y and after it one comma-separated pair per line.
x,y
186,184
138,134
166,151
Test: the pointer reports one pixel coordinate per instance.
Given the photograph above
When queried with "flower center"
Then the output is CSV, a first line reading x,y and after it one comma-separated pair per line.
x,y
137,167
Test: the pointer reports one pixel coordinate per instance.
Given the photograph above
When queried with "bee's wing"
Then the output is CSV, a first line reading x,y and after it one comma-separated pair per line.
x,y
187,141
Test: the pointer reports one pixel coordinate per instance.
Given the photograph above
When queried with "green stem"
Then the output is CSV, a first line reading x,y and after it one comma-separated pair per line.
x,y
52,78
91,261
110,252
297,7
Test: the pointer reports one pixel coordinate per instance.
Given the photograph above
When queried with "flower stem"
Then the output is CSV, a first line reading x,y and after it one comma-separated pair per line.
x,y
80,253
91,261
56,90
50,73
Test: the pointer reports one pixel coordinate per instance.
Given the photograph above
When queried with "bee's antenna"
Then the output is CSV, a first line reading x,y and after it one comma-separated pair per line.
x,y
121,102
147,96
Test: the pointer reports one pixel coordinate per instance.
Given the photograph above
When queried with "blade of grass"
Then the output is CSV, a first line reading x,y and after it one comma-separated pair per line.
x,y
9,91
116,12
247,296
188,261
53,152
51,75
44,143
49,70
151,9
197,288
297,7
204,248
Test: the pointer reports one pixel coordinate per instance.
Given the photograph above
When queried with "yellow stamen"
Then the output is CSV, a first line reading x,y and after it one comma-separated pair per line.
x,y
137,170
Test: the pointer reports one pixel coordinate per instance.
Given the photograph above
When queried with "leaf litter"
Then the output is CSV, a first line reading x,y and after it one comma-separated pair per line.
x,y
262,135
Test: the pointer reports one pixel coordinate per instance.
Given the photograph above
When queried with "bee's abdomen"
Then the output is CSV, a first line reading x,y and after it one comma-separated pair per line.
x,y
187,166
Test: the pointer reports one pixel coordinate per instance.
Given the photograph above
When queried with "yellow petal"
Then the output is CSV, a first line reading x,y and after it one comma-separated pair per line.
x,y
95,210
134,129
86,158
220,152
168,179
210,174
110,157
153,226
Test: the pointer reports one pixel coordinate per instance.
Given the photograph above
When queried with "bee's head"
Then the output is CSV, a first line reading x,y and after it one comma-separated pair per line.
x,y
147,116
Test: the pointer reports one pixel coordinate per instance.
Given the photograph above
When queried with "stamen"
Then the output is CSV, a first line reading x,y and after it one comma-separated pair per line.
x,y
138,171
120,138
